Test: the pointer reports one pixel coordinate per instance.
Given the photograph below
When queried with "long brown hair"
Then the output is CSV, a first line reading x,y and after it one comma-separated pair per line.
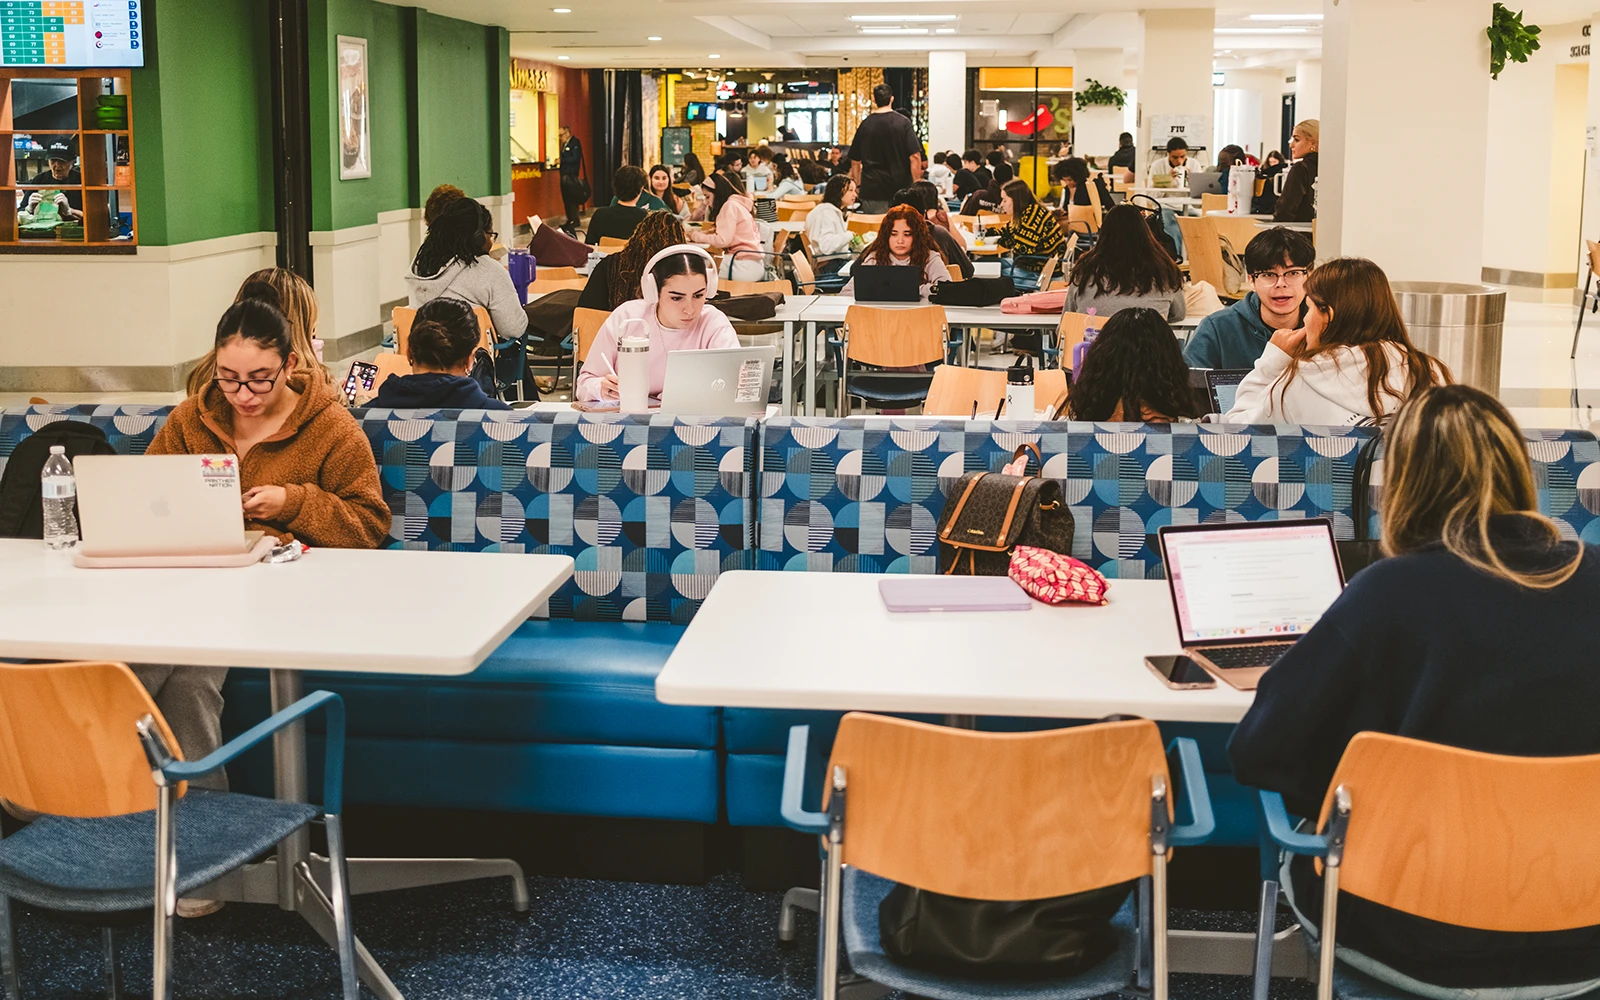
x,y
299,304
1455,458
655,233
1364,318
921,238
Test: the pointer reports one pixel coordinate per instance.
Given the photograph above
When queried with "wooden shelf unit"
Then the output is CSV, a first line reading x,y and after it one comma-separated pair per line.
x,y
99,179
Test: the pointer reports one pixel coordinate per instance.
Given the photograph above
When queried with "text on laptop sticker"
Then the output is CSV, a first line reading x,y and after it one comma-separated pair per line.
x,y
219,471
750,390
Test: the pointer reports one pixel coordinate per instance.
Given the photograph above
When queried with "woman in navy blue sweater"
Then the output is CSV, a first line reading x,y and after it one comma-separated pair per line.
x,y
1478,632
444,338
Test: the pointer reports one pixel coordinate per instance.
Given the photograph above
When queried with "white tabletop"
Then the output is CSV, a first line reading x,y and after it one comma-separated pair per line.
x,y
393,612
754,644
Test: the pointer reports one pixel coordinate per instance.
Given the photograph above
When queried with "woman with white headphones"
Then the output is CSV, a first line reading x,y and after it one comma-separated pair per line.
x,y
676,285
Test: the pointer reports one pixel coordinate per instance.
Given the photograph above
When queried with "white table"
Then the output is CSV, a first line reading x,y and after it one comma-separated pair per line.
x,y
365,620
791,313
1071,662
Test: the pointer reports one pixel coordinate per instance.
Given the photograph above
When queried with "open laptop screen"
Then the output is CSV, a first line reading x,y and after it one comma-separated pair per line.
x,y
1251,581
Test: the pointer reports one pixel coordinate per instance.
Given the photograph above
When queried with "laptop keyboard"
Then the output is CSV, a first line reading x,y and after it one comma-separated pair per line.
x,y
1263,654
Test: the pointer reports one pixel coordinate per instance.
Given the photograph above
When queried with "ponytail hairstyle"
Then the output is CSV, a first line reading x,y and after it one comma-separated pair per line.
x,y
258,315
444,335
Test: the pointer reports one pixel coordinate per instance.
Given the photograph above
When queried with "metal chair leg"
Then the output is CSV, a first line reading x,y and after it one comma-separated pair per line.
x,y
1266,921
9,975
1583,303
108,938
339,877
166,891
794,900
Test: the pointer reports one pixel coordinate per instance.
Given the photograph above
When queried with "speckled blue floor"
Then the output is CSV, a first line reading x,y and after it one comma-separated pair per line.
x,y
580,940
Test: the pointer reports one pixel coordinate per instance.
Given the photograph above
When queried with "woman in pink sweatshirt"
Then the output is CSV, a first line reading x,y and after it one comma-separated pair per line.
x,y
736,230
672,314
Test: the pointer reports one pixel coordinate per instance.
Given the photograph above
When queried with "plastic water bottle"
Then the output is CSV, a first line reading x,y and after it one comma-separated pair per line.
x,y
1090,331
60,491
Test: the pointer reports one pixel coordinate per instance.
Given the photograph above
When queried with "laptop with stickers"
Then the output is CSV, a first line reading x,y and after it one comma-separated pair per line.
x,y
159,506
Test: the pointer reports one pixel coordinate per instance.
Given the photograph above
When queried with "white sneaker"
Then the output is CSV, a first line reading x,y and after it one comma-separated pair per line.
x,y
189,909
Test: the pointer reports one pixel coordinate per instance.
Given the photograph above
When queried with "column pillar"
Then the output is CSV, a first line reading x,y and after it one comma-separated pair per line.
x,y
1370,55
1175,75
947,101
1308,89
1591,173
1095,130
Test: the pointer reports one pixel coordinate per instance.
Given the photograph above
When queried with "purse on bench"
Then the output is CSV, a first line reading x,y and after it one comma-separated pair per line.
x,y
987,514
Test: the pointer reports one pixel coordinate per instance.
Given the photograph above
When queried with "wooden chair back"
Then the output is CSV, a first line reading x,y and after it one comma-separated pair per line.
x,y
1260,186
955,272
755,287
1238,229
69,743
955,389
805,247
558,273
1594,252
792,213
586,324
389,363
1473,839
1048,272
1204,250
611,243
804,272
1002,816
1082,219
1213,203
544,286
1050,388
864,223
895,338
1069,334
405,317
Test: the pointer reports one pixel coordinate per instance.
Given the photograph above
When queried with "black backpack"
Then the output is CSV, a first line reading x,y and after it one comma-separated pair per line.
x,y
21,500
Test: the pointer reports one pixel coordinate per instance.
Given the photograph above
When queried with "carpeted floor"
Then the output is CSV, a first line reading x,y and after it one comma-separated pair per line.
x,y
580,940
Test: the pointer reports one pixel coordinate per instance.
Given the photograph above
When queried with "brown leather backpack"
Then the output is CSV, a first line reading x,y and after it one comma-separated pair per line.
x,y
988,514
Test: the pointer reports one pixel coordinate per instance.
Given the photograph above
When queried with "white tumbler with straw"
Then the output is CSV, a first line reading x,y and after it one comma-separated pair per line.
x,y
633,367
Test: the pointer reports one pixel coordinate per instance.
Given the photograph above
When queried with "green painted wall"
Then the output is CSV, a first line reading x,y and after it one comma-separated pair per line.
x,y
463,105
393,138
202,111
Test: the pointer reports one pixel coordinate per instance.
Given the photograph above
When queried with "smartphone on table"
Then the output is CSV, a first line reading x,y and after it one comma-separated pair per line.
x,y
1180,672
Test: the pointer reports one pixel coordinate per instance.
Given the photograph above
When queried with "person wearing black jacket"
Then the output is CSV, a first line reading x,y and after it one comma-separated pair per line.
x,y
924,197
443,341
1487,647
1298,203
1126,154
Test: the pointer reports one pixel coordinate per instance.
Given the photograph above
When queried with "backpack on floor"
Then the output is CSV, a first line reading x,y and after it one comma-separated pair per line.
x,y
21,500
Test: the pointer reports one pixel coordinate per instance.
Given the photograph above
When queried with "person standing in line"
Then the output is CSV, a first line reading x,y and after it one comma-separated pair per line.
x,y
1298,203
573,187
886,154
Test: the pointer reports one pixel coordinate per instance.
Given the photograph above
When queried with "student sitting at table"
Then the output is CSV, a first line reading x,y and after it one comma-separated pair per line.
x,y
967,181
1126,269
905,240
1277,261
788,180
1033,230
299,303
826,230
615,279
443,340
661,190
1076,186
1476,632
924,197
758,168
305,468
988,200
1353,360
627,209
940,174
454,262
1177,158
678,282
1133,371
736,232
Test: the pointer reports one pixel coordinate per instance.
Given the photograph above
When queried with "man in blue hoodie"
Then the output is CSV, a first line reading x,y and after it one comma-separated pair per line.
x,y
1278,261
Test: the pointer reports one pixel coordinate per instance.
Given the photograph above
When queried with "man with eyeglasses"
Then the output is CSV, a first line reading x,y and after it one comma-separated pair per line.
x,y
1278,261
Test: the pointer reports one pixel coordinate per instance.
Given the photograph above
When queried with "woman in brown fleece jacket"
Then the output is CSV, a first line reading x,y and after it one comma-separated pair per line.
x,y
306,469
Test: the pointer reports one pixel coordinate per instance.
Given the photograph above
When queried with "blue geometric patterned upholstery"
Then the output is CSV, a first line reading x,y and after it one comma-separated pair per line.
x,y
128,428
651,508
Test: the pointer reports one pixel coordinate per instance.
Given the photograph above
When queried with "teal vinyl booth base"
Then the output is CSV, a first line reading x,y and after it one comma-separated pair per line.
x,y
563,718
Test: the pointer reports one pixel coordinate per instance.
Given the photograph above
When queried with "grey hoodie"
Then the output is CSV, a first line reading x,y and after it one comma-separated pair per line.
x,y
485,284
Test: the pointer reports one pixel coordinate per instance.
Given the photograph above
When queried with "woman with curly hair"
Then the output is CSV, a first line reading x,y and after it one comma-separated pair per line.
x,y
1126,269
904,240
616,278
1133,371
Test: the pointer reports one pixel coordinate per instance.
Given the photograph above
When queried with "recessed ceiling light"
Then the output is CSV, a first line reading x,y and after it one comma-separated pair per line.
x,y
560,10
714,55
1285,17
1262,31
903,18
944,31
653,38
563,58
893,31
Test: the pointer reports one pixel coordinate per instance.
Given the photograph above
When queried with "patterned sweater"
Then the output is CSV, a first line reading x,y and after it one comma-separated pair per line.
x,y
1034,232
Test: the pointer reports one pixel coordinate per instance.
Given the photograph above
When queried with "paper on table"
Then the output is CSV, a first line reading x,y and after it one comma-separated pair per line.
x,y
534,222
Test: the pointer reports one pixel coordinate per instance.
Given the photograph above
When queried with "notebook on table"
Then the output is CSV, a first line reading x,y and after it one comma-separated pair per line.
x,y
953,593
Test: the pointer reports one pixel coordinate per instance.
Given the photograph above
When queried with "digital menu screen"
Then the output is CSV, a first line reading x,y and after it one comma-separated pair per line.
x,y
71,34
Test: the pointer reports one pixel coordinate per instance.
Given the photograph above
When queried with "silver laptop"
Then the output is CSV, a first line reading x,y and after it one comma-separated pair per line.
x,y
1245,593
160,505
1205,182
726,382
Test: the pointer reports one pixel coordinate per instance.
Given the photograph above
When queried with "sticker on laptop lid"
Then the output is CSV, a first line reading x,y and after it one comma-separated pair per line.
x,y
219,471
750,389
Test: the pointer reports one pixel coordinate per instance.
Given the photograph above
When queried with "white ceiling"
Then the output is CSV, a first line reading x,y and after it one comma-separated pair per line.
x,y
763,34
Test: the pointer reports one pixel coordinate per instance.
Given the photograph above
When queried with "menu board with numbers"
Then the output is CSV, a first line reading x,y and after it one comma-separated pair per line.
x,y
86,34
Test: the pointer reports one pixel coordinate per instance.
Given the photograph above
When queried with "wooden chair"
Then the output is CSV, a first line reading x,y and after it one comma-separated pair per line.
x,y
891,339
1583,303
544,286
964,813
557,273
1469,839
388,363
611,243
1204,247
1238,229
1213,203
864,223
1049,389
586,324
955,272
793,213
955,391
86,741
1069,334
1083,219
404,317
755,287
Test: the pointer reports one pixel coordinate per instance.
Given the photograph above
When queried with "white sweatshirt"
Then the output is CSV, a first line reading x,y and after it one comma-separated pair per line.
x,y
827,230
1329,389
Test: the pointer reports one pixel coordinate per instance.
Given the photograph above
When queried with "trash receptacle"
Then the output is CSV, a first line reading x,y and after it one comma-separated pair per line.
x,y
1460,324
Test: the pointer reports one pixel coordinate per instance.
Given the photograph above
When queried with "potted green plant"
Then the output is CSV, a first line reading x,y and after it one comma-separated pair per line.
x,y
1097,95
1509,39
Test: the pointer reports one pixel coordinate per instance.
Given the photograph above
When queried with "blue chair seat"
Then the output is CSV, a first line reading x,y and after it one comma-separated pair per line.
x,y
864,892
108,865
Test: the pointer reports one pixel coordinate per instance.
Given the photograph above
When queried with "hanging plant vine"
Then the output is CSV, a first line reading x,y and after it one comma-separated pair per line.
x,y
1509,39
1097,95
